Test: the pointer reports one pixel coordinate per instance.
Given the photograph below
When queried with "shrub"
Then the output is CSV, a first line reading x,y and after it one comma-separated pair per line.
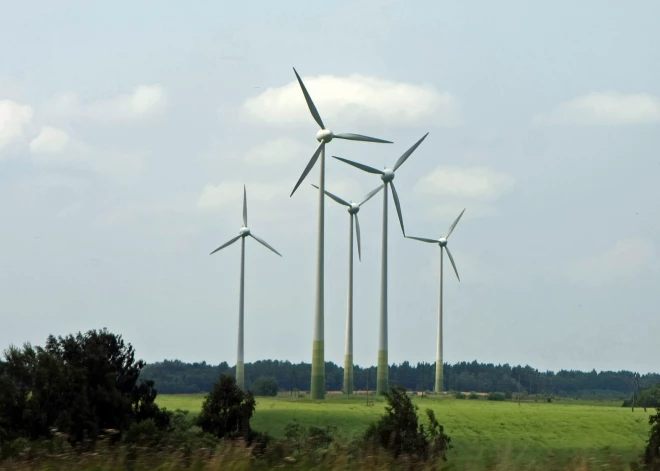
x,y
460,395
496,396
507,395
473,395
652,452
399,431
227,410
265,386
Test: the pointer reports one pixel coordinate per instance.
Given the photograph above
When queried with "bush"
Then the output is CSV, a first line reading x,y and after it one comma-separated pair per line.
x,y
227,410
496,396
507,395
460,395
399,431
265,386
473,395
652,452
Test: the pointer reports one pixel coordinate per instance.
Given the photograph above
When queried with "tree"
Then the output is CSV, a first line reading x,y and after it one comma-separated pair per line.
x,y
652,452
399,430
227,410
78,384
265,386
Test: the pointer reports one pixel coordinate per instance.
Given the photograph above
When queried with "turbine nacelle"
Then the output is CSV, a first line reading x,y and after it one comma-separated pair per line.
x,y
244,232
353,208
388,175
324,135
442,241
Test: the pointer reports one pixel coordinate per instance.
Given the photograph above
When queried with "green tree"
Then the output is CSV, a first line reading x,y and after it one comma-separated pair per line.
x,y
227,410
399,431
78,384
652,452
265,386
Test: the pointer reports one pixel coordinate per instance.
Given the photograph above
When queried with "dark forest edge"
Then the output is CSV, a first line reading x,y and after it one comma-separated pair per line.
x,y
177,377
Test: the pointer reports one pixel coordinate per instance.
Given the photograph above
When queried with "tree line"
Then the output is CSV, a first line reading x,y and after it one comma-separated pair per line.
x,y
177,377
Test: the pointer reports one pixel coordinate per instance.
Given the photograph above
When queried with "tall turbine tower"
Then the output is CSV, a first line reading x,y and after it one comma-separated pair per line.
x,y
442,242
324,136
387,176
353,209
242,234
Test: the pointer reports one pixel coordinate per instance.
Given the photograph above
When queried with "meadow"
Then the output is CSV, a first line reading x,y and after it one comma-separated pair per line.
x,y
483,433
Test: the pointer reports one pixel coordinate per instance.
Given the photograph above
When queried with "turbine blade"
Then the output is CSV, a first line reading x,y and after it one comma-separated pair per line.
x,y
397,203
226,244
451,259
310,103
366,168
311,163
370,194
244,206
359,137
334,197
407,153
423,239
357,232
451,228
263,242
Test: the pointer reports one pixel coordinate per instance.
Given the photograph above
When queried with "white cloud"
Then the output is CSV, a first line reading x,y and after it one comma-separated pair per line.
x,y
145,101
81,157
276,152
49,140
605,109
478,183
354,99
625,259
13,118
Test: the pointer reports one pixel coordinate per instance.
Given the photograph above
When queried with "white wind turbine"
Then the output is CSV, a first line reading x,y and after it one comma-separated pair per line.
x,y
353,209
324,136
442,242
387,176
242,234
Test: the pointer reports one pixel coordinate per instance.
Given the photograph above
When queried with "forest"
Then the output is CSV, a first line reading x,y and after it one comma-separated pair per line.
x,y
177,377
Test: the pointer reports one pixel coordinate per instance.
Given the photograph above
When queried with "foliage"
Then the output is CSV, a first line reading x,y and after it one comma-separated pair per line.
x,y
265,386
176,377
473,395
460,395
496,396
649,397
79,385
227,410
652,451
399,431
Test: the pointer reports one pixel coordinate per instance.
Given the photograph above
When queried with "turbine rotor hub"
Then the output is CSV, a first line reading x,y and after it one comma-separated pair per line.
x,y
388,175
442,242
354,208
324,135
244,231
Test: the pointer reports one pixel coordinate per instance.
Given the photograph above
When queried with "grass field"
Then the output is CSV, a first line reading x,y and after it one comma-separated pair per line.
x,y
482,432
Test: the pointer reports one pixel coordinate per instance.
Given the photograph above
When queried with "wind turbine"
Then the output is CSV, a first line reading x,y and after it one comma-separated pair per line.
x,y
387,176
242,234
442,242
353,209
324,136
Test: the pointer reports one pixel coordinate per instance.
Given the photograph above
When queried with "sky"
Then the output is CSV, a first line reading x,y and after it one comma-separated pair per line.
x,y
128,129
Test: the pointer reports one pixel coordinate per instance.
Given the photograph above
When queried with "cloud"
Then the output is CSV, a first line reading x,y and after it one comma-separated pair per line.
x,y
479,183
276,152
231,193
49,140
144,102
80,157
604,109
625,259
13,119
354,99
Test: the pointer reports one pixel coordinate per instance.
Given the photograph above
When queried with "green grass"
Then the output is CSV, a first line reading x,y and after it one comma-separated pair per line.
x,y
481,431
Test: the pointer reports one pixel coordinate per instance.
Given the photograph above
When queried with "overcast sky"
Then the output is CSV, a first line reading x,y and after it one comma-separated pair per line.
x,y
127,130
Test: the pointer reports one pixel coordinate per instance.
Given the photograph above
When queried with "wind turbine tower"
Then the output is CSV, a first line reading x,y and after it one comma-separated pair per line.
x,y
242,234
